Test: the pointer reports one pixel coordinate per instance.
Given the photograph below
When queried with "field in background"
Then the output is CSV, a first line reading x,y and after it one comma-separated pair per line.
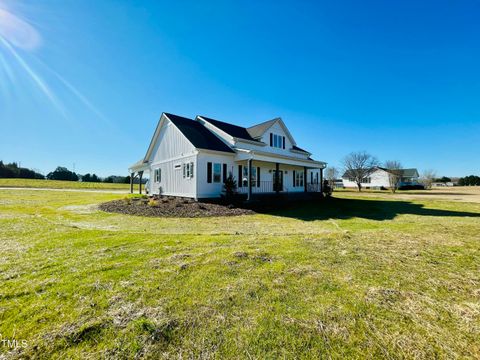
x,y
57,184
357,276
454,193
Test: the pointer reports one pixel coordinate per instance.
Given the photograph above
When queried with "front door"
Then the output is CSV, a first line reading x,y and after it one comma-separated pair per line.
x,y
278,180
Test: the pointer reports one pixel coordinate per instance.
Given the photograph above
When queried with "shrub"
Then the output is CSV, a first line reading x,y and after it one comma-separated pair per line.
x,y
229,186
152,202
326,189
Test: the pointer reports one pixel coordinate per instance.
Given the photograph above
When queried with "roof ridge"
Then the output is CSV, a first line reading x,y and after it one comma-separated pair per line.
x,y
263,123
220,121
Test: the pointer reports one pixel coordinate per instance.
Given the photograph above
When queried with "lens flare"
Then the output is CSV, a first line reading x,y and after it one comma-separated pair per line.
x,y
17,38
18,32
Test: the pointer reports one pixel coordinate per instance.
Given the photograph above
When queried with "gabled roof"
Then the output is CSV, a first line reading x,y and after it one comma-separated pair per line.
x,y
257,131
252,133
232,130
197,134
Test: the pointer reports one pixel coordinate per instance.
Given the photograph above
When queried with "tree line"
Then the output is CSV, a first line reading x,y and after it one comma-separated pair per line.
x,y
471,180
13,170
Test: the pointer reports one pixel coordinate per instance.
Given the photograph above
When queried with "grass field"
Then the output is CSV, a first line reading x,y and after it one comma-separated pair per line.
x,y
57,184
359,276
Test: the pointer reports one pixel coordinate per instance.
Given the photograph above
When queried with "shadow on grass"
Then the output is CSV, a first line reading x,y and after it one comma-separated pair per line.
x,y
334,208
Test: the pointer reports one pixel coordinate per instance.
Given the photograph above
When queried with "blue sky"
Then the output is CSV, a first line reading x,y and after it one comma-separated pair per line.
x,y
85,82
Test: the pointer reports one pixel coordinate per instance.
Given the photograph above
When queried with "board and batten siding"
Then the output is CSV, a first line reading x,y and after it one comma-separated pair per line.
x,y
171,152
212,189
276,129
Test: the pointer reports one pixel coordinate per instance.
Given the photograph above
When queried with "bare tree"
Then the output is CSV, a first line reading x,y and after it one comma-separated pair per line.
x,y
358,165
394,169
427,178
331,175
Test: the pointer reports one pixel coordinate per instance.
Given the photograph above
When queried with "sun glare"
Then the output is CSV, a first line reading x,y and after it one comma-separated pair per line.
x,y
18,40
17,31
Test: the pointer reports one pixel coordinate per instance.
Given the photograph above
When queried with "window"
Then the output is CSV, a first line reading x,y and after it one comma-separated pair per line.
x,y
158,175
217,172
298,178
277,141
254,177
366,180
188,170
178,166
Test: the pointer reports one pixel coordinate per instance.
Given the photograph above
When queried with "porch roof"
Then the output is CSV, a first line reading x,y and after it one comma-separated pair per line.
x,y
140,165
243,155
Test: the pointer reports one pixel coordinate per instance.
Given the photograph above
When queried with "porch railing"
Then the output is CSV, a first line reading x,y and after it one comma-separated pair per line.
x,y
271,187
261,187
313,187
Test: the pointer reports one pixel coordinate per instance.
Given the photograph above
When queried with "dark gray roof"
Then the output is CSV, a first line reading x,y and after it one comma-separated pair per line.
x,y
294,147
198,135
258,130
404,172
232,130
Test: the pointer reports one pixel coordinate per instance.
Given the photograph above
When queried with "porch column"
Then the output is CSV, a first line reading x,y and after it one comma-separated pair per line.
x,y
131,182
321,181
277,178
140,183
249,179
305,179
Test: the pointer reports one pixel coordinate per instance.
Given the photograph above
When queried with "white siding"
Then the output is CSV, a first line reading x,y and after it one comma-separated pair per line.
x,y
379,178
205,189
276,129
172,148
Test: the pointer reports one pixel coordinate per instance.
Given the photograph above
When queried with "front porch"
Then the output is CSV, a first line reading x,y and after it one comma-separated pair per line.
x,y
137,171
258,177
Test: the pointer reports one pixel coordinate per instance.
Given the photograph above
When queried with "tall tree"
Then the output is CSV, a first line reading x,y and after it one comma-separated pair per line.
x,y
331,174
394,169
62,173
358,166
427,178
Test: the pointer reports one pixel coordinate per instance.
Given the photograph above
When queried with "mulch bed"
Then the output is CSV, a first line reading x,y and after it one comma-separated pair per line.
x,y
171,207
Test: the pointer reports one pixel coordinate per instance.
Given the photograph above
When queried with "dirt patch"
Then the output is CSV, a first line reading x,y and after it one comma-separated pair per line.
x,y
171,207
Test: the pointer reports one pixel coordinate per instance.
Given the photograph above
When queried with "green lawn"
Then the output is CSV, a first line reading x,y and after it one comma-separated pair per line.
x,y
352,277
58,184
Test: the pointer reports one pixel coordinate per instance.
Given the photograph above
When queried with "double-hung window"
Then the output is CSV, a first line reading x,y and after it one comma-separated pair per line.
x,y
277,141
253,178
298,178
158,175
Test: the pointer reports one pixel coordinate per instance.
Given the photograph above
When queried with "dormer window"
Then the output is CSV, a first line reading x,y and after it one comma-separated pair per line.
x,y
277,141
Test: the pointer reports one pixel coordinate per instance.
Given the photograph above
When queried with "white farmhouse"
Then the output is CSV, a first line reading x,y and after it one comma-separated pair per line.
x,y
378,178
193,158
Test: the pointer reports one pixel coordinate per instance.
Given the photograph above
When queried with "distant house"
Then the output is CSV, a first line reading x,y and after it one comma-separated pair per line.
x,y
338,184
378,178
443,184
193,158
